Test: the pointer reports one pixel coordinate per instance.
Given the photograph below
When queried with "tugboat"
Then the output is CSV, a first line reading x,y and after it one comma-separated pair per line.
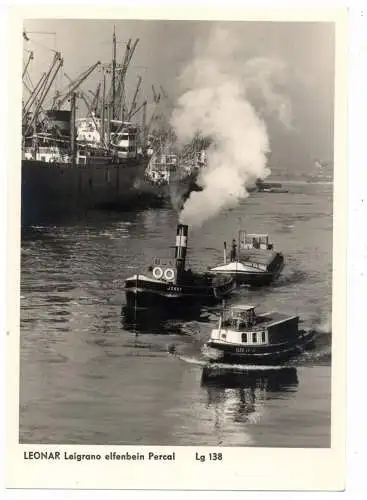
x,y
247,338
256,263
169,284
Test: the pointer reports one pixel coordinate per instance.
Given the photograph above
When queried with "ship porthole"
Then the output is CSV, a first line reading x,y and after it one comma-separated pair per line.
x,y
169,274
157,273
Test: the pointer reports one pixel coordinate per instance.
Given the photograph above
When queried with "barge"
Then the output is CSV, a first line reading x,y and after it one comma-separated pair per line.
x,y
255,263
256,339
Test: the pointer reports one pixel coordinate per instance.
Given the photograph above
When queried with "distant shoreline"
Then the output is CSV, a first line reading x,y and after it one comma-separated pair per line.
x,y
296,181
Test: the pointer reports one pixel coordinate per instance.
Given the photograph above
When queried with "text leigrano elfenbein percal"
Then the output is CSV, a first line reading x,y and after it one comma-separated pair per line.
x,y
84,457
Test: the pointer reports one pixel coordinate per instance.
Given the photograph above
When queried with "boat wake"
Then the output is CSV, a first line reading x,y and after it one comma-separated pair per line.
x,y
230,367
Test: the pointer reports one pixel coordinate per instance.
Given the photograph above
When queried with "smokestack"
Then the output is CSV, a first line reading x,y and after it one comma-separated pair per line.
x,y
181,246
225,253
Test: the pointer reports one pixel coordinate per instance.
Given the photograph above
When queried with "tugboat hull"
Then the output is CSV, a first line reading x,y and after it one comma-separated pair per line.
x,y
171,285
258,355
144,292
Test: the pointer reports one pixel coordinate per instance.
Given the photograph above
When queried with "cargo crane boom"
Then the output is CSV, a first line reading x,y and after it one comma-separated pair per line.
x,y
46,87
74,85
156,99
38,89
136,111
165,95
39,86
80,93
30,57
120,91
129,52
133,104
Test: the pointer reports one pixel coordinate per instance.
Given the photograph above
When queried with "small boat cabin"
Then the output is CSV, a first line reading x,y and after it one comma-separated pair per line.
x,y
257,241
241,325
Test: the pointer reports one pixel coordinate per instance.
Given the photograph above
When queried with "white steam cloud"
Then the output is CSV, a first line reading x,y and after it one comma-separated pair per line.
x,y
226,101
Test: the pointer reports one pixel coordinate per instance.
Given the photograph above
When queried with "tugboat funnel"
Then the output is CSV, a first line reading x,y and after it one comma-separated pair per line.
x,y
181,246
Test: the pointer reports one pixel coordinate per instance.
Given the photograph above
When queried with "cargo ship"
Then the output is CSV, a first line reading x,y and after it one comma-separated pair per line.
x,y
62,176
242,336
100,161
167,282
253,260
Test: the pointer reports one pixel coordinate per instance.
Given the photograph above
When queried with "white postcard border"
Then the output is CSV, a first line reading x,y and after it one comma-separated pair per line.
x,y
241,468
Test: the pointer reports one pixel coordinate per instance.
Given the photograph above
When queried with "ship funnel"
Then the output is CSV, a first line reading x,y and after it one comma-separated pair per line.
x,y
181,246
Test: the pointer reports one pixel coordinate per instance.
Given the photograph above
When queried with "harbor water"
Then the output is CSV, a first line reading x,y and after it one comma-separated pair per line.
x,y
89,376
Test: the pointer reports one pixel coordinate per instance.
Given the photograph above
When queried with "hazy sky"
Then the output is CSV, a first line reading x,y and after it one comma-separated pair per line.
x,y
165,47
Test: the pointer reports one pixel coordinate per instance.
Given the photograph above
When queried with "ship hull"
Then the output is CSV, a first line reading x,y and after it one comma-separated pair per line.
x,y
142,294
59,189
52,190
254,278
257,355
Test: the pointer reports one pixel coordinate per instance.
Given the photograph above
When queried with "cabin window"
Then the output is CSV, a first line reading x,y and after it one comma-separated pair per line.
x,y
223,336
254,338
244,338
263,337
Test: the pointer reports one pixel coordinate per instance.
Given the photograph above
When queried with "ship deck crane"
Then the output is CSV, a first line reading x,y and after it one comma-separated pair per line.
x,y
34,94
139,108
121,98
30,58
154,116
46,85
79,93
73,86
133,103
166,97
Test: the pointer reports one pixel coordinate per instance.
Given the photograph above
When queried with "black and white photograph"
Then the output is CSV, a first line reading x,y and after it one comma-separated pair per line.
x,y
177,201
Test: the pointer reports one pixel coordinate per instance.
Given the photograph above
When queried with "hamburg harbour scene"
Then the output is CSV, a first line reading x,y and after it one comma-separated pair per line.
x,y
176,233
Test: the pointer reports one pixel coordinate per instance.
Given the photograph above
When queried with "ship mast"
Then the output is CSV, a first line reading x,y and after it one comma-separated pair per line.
x,y
113,73
72,131
103,110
